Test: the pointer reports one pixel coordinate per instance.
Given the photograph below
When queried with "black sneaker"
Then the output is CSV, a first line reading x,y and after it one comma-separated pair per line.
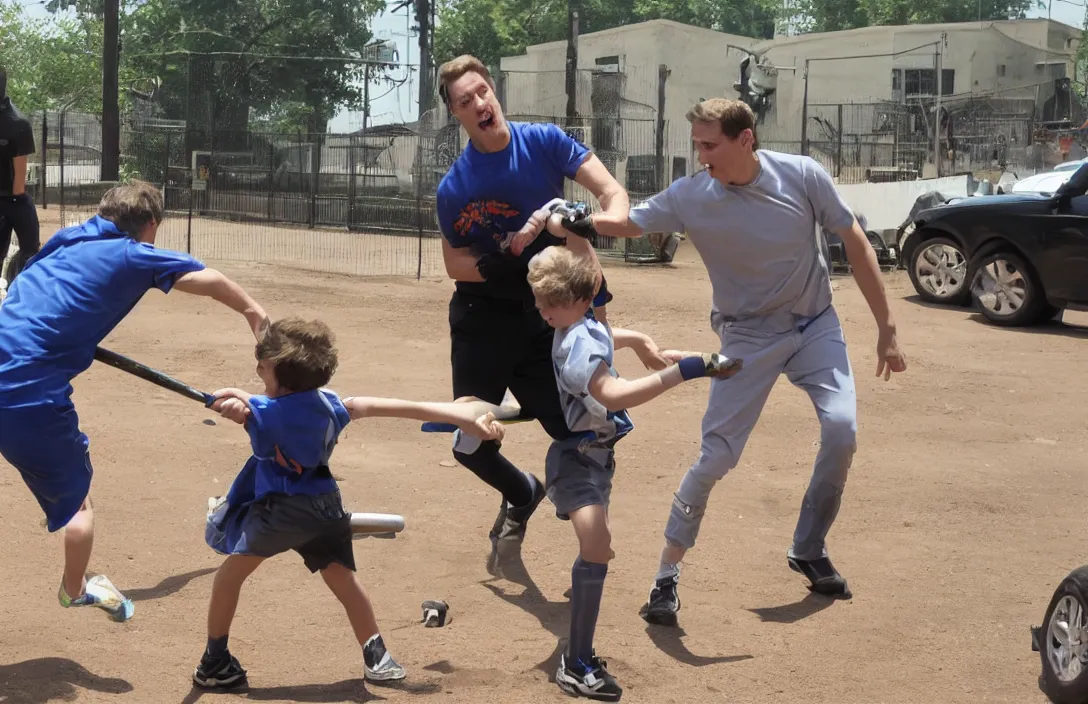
x,y
511,521
223,673
664,602
590,680
824,578
378,665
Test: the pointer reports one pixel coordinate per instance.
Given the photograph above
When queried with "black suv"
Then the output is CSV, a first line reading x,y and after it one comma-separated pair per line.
x,y
1020,258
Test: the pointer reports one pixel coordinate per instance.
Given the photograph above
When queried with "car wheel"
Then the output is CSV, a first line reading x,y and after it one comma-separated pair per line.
x,y
1063,641
1005,290
938,269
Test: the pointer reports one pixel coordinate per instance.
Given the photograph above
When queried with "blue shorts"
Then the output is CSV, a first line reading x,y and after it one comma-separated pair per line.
x,y
45,444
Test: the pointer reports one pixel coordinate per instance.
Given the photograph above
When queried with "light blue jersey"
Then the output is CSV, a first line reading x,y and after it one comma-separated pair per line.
x,y
759,242
577,354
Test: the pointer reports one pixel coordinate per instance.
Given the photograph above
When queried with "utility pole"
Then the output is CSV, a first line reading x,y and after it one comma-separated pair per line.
x,y
111,118
938,61
572,62
366,96
804,114
426,72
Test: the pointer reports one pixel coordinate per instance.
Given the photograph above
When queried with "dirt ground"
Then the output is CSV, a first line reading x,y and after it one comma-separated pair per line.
x,y
955,528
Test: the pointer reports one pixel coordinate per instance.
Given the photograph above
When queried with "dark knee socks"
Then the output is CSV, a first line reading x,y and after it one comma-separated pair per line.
x,y
587,586
499,472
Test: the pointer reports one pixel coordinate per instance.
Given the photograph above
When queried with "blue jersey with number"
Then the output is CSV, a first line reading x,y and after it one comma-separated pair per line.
x,y
71,294
485,197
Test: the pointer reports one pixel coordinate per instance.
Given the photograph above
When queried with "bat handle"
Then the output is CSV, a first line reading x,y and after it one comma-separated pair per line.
x,y
434,427
209,400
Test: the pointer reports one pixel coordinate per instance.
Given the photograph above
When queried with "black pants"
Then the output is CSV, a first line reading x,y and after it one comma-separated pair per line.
x,y
19,214
495,346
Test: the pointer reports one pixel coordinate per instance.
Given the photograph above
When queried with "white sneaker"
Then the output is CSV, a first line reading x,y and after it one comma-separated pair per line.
x,y
99,591
378,665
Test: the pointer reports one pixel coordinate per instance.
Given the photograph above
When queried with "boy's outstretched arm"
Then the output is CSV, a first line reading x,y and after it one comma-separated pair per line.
x,y
215,285
617,394
643,346
484,427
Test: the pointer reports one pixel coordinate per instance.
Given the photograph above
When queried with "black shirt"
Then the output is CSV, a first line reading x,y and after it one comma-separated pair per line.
x,y
16,139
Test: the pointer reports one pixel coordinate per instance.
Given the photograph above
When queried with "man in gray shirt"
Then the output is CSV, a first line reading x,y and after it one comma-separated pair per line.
x,y
752,215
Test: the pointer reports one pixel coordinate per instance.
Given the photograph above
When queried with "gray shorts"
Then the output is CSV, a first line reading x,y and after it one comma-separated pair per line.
x,y
316,527
576,477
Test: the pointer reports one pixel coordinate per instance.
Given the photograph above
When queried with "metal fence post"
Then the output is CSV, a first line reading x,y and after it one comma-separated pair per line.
x,y
838,145
351,181
271,177
166,174
43,180
60,158
189,221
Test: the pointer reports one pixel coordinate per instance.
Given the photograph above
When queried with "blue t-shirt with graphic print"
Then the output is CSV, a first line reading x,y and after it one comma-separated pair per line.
x,y
484,197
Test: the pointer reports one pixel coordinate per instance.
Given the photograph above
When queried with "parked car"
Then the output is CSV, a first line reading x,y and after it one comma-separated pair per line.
x,y
835,252
1021,258
1049,181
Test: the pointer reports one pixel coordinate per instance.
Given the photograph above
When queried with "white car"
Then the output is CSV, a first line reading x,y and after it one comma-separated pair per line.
x,y
1049,181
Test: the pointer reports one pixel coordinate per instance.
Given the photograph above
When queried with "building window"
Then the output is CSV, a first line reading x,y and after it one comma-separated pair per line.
x,y
922,82
1001,70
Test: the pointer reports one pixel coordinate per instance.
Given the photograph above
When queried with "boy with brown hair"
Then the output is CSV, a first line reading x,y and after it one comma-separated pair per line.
x,y
285,498
579,469
67,299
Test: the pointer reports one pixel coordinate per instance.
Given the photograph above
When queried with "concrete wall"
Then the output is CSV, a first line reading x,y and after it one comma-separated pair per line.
x,y
701,66
984,60
887,205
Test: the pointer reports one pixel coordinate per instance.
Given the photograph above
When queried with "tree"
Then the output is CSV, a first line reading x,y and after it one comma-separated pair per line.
x,y
217,62
492,29
833,15
52,64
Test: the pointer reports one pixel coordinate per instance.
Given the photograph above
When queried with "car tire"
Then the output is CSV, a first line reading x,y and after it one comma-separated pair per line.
x,y
1005,289
938,270
1063,680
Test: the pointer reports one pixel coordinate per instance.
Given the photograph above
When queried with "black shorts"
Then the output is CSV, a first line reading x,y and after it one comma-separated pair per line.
x,y
316,527
498,345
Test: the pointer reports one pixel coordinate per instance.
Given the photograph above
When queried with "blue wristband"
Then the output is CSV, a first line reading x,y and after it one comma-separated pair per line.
x,y
692,368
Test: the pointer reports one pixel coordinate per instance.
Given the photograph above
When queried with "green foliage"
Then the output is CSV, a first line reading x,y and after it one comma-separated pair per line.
x,y
491,29
833,15
218,63
262,65
51,63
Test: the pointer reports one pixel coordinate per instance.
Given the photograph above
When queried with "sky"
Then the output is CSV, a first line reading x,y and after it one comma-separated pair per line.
x,y
399,102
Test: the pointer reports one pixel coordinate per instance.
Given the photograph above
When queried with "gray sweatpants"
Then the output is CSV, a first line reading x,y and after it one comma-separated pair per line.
x,y
813,358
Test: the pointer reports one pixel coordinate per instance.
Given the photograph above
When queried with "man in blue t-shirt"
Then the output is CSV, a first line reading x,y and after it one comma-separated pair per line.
x,y
496,189
76,290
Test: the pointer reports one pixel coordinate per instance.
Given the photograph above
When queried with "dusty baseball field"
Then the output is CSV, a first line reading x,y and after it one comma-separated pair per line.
x,y
964,510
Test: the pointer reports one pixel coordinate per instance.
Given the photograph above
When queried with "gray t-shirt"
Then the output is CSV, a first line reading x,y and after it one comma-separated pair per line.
x,y
577,354
759,242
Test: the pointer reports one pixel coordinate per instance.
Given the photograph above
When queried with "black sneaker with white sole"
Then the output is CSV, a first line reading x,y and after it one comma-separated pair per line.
x,y
663,603
222,673
590,680
378,665
823,576
511,522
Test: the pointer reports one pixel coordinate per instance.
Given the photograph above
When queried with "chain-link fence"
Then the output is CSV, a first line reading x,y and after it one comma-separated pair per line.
x,y
249,178
1013,130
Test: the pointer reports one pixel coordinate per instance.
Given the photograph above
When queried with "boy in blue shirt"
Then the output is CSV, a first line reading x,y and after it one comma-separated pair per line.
x,y
285,498
579,469
67,299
